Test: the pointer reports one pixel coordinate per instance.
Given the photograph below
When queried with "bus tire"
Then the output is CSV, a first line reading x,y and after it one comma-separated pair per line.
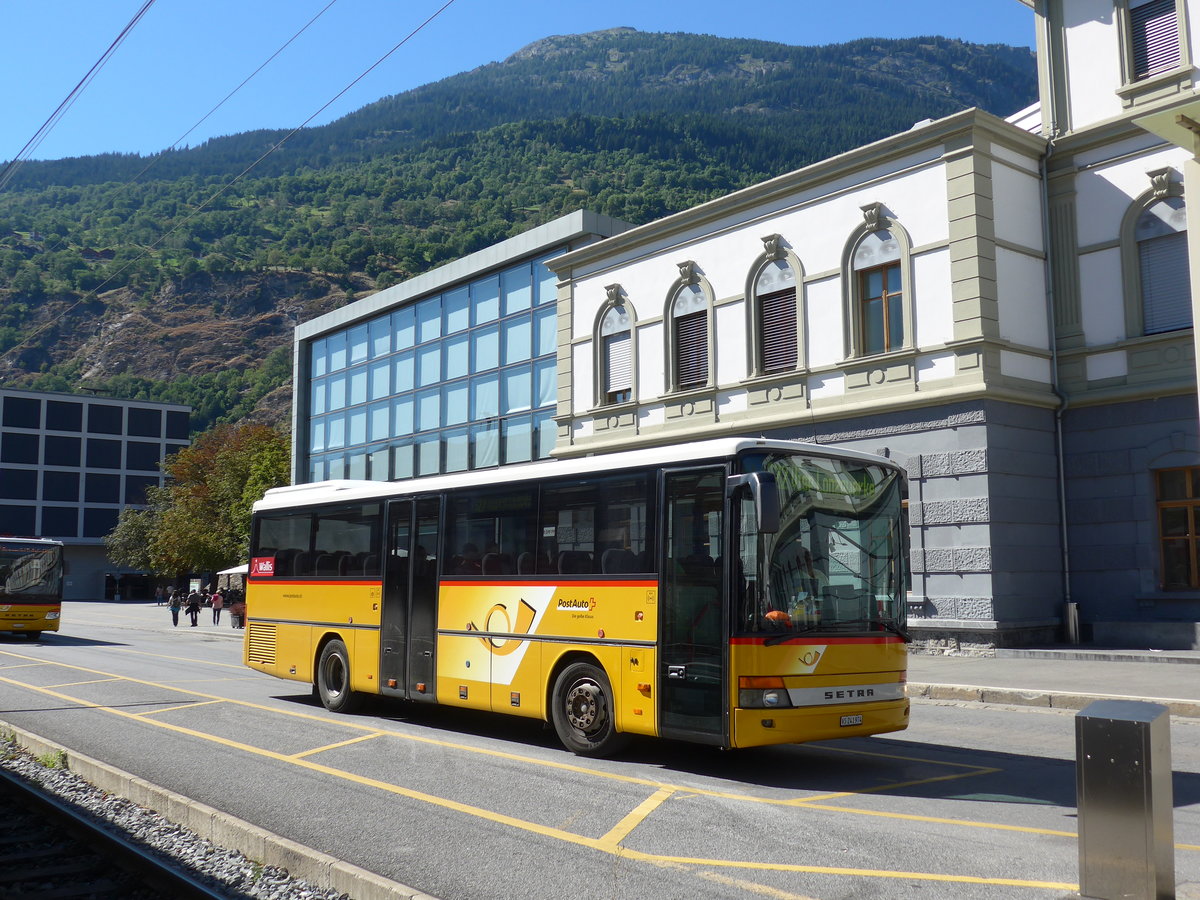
x,y
333,679
582,711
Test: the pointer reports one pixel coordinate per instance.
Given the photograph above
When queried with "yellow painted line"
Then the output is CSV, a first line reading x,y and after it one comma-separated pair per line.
x,y
32,665
621,830
892,786
78,683
841,870
877,754
193,705
204,662
934,820
751,887
547,831
357,740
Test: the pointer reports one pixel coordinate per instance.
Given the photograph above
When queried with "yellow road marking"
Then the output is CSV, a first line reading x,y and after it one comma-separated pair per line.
x,y
604,844
752,887
621,830
78,683
357,740
155,712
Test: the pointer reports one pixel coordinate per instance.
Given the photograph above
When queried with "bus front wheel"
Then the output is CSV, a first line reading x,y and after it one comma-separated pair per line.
x,y
582,711
333,679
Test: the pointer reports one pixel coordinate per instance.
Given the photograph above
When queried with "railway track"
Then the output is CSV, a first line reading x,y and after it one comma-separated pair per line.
x,y
49,849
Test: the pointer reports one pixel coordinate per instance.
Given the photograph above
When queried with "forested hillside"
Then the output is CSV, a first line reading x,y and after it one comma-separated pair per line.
x,y
183,283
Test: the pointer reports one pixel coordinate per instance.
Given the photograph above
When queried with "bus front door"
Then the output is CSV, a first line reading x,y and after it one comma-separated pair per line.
x,y
692,661
408,616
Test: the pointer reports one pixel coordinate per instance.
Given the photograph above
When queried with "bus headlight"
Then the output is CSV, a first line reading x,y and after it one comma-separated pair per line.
x,y
51,615
762,693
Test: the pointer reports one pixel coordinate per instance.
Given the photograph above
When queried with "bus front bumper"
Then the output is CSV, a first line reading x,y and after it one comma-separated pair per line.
x,y
760,727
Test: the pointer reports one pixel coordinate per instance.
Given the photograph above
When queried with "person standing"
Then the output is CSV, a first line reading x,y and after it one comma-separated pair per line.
x,y
218,602
175,603
193,607
158,596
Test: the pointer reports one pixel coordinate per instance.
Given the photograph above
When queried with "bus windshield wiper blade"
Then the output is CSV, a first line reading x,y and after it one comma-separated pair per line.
x,y
886,624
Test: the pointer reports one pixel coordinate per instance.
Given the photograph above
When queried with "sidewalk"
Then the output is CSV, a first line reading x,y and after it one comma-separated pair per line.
x,y
1062,678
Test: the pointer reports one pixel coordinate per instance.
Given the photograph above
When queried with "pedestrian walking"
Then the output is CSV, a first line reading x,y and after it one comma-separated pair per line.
x,y
158,596
194,602
218,602
175,603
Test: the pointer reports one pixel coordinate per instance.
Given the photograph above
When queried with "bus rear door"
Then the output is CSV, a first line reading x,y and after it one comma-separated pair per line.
x,y
409,614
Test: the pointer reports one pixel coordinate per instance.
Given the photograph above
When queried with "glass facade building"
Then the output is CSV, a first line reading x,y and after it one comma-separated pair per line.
x,y
453,370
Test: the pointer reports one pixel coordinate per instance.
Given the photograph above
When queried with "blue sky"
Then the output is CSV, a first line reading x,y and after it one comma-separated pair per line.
x,y
185,56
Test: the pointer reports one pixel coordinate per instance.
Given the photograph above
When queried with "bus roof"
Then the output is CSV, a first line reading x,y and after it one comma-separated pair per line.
x,y
36,541
318,492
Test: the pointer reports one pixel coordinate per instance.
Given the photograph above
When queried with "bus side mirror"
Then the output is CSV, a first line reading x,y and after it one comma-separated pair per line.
x,y
766,498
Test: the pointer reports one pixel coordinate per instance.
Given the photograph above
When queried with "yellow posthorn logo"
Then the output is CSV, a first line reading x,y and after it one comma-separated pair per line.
x,y
810,658
504,646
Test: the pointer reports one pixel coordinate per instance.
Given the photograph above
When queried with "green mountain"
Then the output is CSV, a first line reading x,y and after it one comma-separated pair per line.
x,y
103,257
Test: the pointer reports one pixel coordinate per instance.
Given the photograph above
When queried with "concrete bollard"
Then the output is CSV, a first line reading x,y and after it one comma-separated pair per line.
x,y
1123,782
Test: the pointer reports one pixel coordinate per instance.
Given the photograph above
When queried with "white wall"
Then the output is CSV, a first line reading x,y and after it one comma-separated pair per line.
x,y
1093,60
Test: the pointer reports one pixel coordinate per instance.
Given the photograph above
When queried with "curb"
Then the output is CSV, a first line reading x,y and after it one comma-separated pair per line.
x,y
319,869
1185,709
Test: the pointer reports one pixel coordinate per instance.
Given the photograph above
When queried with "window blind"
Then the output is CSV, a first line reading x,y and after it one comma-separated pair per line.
x,y
691,349
777,324
618,363
1166,285
1155,36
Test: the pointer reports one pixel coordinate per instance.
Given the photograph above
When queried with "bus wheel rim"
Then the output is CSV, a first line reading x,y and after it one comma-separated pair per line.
x,y
584,706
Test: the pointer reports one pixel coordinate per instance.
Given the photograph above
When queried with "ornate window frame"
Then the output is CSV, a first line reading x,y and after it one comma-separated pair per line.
x,y
616,299
1139,88
699,294
774,252
876,220
1164,185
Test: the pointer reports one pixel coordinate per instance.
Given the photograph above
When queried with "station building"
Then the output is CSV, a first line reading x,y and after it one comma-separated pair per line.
x,y
1002,305
69,464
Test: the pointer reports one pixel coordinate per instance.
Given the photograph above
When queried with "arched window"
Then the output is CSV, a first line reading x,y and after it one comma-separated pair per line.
x,y
616,354
689,338
776,334
879,286
1162,252
1154,259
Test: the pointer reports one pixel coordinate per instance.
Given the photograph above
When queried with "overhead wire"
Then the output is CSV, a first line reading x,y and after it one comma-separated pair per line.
x,y
34,142
239,177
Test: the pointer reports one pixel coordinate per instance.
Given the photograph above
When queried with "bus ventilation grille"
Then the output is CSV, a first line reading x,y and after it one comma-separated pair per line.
x,y
260,644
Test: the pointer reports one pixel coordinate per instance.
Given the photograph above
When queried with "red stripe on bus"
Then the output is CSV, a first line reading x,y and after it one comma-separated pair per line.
x,y
267,579
548,581
818,638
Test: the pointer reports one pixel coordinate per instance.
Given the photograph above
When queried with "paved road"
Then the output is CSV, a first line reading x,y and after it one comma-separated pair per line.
x,y
974,801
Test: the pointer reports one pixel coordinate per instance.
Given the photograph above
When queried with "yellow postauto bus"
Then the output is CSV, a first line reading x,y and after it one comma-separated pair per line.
x,y
733,592
31,583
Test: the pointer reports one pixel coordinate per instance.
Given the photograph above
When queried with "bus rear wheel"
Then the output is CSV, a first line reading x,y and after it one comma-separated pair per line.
x,y
582,711
333,679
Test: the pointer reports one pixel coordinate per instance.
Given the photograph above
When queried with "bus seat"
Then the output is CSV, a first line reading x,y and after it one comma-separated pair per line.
x,y
283,562
616,561
325,565
370,564
574,562
497,564
526,564
302,564
344,563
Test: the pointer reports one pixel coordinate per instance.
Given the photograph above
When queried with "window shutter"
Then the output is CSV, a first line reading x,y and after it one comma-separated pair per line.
x,y
618,363
691,349
1166,286
777,324
1155,35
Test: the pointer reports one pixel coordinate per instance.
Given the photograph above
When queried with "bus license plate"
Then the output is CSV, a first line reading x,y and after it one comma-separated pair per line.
x,y
851,720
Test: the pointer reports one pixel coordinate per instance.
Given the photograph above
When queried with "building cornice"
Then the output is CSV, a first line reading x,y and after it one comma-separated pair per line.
x,y
871,156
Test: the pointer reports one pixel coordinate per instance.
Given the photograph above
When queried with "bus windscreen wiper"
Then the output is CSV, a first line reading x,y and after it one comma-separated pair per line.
x,y
886,624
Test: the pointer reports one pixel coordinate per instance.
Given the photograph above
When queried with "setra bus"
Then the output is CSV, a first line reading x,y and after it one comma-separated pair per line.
x,y
733,592
31,585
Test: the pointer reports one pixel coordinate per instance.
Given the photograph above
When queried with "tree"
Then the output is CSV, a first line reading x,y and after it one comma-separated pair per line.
x,y
200,521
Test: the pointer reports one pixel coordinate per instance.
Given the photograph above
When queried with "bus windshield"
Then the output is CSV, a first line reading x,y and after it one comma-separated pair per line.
x,y
838,560
29,571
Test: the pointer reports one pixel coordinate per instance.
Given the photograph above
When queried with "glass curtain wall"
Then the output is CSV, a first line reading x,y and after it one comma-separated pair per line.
x,y
463,379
